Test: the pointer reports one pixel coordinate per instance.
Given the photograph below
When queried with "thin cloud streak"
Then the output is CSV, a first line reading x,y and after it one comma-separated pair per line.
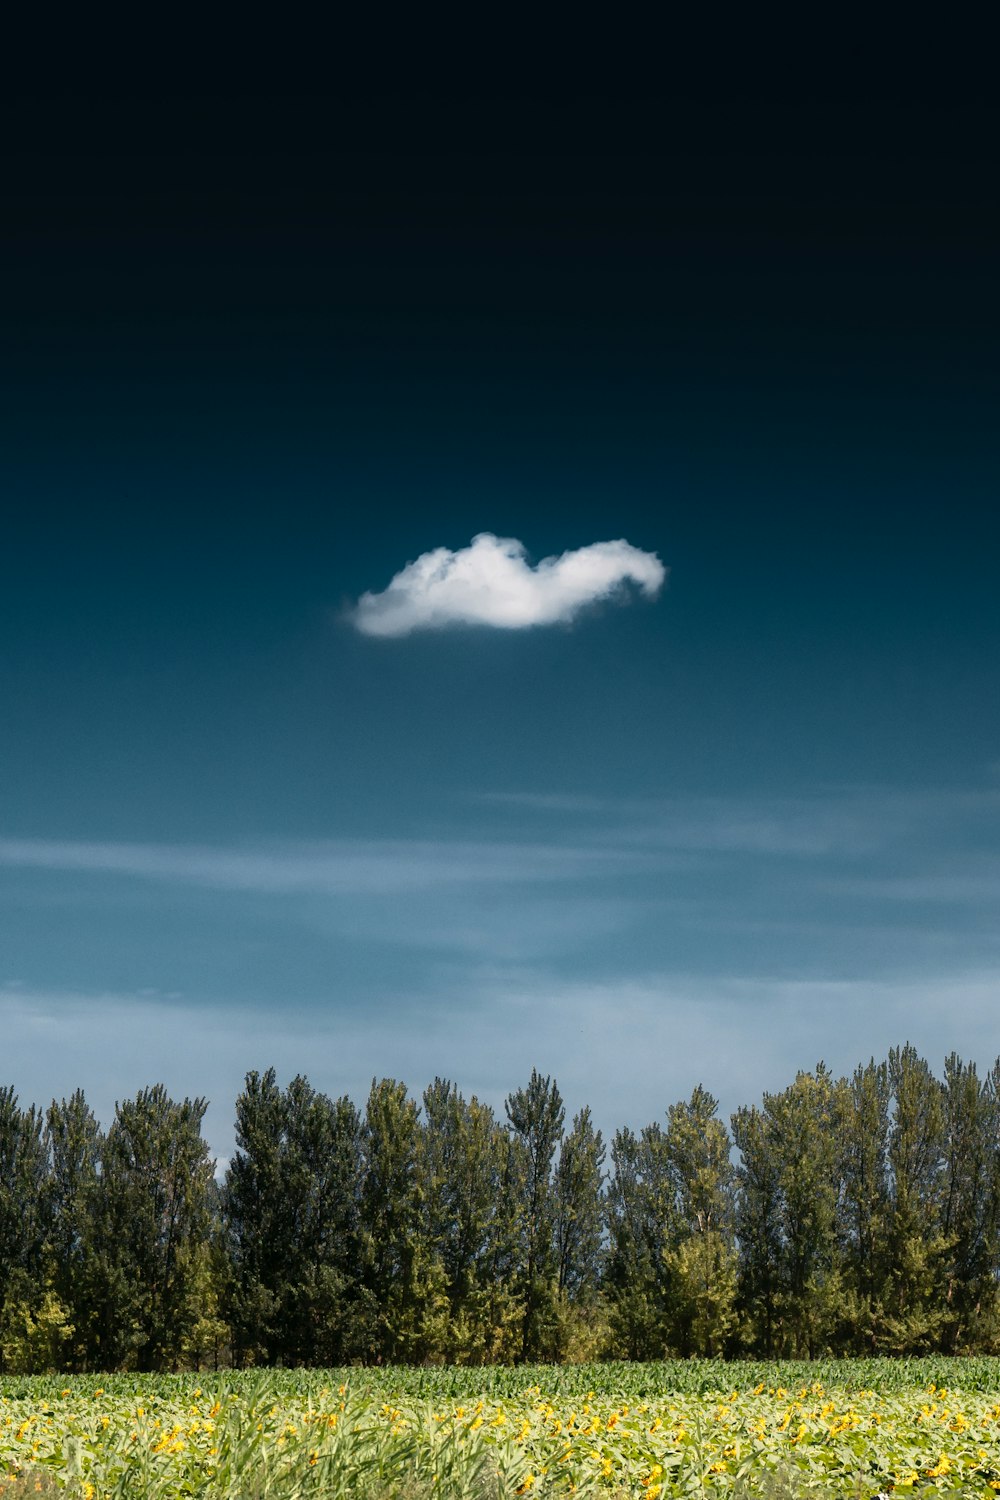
x,y
610,837
491,582
342,868
943,888
833,821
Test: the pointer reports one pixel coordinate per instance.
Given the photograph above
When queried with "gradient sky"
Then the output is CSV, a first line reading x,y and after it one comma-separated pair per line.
x,y
256,355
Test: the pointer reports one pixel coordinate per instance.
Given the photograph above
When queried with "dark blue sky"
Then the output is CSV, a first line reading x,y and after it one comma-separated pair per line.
x,y
259,354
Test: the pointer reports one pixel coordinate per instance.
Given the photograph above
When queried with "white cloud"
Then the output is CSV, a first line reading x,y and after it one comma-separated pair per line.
x,y
491,582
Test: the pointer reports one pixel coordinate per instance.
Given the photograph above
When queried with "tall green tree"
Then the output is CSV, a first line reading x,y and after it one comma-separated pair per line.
x,y
75,1147
759,1228
916,1247
579,1222
864,1204
804,1131
787,1217
24,1212
702,1260
470,1222
291,1210
579,1237
404,1282
257,1225
153,1230
644,1227
969,1209
535,1117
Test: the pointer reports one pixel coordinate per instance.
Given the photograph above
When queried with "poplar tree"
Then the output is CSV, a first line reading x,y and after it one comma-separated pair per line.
x,y
702,1260
153,1225
579,1228
256,1224
803,1136
758,1228
970,1201
535,1116
579,1235
470,1222
405,1288
24,1203
916,1246
320,1181
864,1206
786,1216
291,1210
75,1145
643,1229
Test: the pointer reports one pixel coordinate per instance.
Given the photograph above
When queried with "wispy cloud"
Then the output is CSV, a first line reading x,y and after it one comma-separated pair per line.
x,y
492,583
831,821
345,867
976,886
844,885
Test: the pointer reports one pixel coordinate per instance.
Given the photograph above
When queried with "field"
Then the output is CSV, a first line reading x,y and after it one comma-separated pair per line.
x,y
861,1428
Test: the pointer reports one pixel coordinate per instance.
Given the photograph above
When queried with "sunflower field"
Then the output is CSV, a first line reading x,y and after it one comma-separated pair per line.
x,y
693,1428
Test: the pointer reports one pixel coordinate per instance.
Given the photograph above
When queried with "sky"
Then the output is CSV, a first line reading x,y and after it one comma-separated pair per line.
x,y
497,584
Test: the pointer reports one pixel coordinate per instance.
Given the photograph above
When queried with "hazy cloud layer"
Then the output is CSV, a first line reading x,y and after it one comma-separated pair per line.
x,y
628,1048
491,582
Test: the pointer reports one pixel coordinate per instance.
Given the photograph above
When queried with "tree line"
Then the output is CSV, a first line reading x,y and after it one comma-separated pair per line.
x,y
845,1216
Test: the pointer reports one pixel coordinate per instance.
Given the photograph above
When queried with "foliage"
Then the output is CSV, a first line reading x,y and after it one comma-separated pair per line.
x,y
154,1228
850,1428
291,1244
842,1216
